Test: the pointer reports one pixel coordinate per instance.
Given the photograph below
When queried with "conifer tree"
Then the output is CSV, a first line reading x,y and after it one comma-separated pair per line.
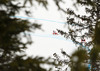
x,y
84,27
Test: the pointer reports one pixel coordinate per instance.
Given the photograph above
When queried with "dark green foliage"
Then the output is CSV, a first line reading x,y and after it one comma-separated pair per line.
x,y
21,64
78,63
95,58
88,27
10,30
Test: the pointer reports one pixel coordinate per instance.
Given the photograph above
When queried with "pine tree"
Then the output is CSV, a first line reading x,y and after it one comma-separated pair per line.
x,y
85,27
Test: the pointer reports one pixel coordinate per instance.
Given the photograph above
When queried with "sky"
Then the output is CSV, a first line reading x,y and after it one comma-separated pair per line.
x,y
44,42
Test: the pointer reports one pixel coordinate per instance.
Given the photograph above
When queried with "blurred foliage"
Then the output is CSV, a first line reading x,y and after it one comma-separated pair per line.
x,y
26,64
12,32
84,26
78,63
